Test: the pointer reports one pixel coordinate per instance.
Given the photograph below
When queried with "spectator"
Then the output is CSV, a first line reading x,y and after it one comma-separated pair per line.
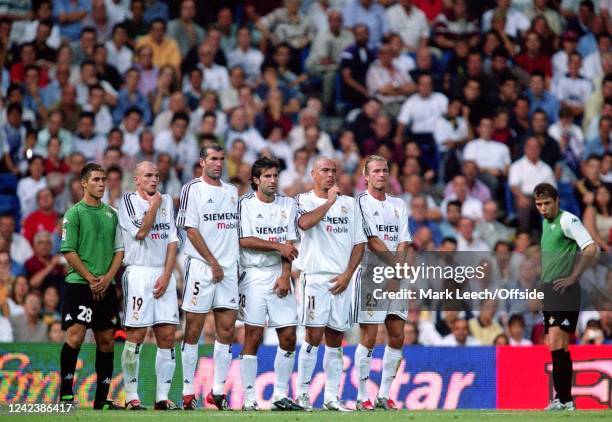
x,y
119,54
572,90
103,119
460,335
28,187
130,96
560,59
239,128
453,26
540,99
387,83
174,103
516,22
136,25
419,218
166,51
356,60
245,56
484,328
216,77
296,178
489,228
181,146
501,340
523,177
29,326
12,138
50,306
598,217
592,64
69,108
55,334
475,187
410,23
70,15
45,269
184,30
44,218
467,240
601,143
326,49
516,329
43,13
169,183
98,19
540,8
18,292
86,140
569,137
533,59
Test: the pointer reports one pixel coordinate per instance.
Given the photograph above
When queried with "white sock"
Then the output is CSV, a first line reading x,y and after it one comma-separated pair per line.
x,y
248,372
130,364
391,363
332,364
164,370
222,359
363,359
189,357
283,366
307,360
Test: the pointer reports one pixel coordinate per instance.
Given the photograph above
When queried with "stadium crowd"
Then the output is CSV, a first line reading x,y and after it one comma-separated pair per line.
x,y
473,102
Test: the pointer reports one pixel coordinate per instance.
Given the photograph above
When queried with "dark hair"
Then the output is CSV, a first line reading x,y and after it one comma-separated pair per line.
x,y
131,110
14,107
259,166
95,86
87,62
545,190
115,169
449,239
205,148
87,114
119,25
87,29
158,20
588,4
90,168
454,203
516,318
180,115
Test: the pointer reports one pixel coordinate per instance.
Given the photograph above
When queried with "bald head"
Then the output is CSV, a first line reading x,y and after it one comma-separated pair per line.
x,y
324,173
146,177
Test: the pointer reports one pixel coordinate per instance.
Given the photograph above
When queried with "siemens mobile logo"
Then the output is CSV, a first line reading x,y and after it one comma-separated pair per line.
x,y
279,234
336,224
387,229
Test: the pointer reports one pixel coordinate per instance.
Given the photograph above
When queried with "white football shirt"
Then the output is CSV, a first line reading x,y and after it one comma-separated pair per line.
x,y
327,247
387,220
274,222
151,251
213,210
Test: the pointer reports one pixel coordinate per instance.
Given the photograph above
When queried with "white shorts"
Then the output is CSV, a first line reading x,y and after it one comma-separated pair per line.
x,y
320,308
258,300
200,294
375,315
141,309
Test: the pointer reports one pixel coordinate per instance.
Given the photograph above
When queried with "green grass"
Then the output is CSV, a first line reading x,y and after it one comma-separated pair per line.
x,y
417,415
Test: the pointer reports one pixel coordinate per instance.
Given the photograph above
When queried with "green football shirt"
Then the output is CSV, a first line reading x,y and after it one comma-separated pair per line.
x,y
94,234
561,239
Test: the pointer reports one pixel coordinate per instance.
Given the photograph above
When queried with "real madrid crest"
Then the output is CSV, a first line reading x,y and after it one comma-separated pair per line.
x,y
163,212
344,209
194,300
396,213
135,315
283,214
233,200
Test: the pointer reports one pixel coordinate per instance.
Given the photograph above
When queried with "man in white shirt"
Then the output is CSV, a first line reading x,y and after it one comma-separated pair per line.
x,y
333,242
491,157
524,175
182,147
572,90
119,55
267,231
245,56
20,248
516,21
208,213
216,77
410,23
146,219
466,239
385,221
460,335
240,128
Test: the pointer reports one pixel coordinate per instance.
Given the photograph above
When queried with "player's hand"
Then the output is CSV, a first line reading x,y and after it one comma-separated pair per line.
x,y
155,200
341,283
100,287
332,194
563,283
217,272
287,251
282,286
161,285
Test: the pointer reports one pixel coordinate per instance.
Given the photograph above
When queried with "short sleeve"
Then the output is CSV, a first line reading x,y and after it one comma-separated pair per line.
x,y
127,216
246,226
70,231
292,231
170,210
188,211
359,235
405,235
303,205
574,229
118,239
367,222
514,175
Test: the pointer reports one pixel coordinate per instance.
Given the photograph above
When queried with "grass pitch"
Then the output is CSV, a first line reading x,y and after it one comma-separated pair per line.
x,y
87,415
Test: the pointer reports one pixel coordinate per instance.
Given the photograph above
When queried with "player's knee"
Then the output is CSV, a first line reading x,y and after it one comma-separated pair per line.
x,y
75,338
287,341
396,341
225,334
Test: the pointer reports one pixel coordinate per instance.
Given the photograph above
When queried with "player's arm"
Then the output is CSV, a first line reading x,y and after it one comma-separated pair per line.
x,y
164,279
286,250
342,280
149,218
200,245
75,262
103,282
310,219
71,230
283,284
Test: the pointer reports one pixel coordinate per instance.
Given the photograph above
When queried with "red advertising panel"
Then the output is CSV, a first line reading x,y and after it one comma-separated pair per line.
x,y
524,377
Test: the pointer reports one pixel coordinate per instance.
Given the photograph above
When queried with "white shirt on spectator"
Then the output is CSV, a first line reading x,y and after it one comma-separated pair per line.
x,y
120,58
445,131
255,143
410,27
525,175
29,34
21,250
515,22
297,140
573,91
487,154
471,207
378,76
404,63
27,188
521,342
195,121
249,60
216,77
6,330
184,152
591,65
476,245
422,113
450,340
573,135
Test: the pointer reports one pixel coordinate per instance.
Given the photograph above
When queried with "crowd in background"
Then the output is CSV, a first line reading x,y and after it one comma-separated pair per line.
x,y
473,102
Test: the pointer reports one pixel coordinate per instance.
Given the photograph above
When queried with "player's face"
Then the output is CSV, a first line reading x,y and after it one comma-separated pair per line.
x,y
324,174
147,179
547,207
378,175
267,182
95,184
213,164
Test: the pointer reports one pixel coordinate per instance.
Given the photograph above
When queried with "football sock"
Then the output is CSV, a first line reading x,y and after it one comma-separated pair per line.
x,y
164,370
332,364
391,362
130,364
189,360
104,372
283,366
68,361
307,359
363,359
222,359
248,372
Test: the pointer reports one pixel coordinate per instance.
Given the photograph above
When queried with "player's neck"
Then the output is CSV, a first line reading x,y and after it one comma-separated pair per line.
x,y
142,194
91,201
321,193
264,198
551,219
377,194
210,180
